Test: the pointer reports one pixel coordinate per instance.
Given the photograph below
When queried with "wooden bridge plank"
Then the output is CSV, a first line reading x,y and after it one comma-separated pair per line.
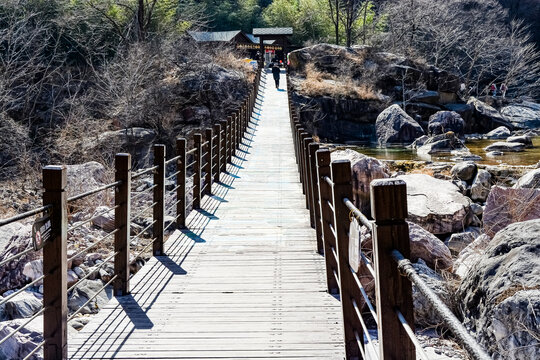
x,y
244,282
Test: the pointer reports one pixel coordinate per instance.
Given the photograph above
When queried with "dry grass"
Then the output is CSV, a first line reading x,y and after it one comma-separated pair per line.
x,y
318,83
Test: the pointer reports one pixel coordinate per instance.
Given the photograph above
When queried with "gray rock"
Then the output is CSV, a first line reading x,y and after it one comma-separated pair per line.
x,y
524,139
523,116
429,248
426,96
443,143
444,121
85,177
505,206
104,218
136,141
84,291
394,126
24,341
485,118
14,238
477,209
460,241
424,313
33,270
436,205
419,142
23,305
481,186
79,272
505,147
494,153
502,132
72,278
500,298
364,169
470,255
530,180
464,171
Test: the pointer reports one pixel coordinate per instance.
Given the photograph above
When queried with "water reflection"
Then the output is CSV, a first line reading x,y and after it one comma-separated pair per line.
x,y
527,157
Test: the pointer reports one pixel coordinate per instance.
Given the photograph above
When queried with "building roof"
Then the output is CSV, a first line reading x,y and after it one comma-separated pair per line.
x,y
216,36
273,31
255,40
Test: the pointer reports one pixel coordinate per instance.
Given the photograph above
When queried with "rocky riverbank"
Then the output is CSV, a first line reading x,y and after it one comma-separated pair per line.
x,y
474,234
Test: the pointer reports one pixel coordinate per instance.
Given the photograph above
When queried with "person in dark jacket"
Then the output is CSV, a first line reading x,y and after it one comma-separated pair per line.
x,y
276,71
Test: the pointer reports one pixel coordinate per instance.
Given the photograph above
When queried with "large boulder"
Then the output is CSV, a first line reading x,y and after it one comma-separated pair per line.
x,y
424,312
524,139
443,143
500,296
470,255
84,291
426,246
523,116
505,146
365,169
23,305
15,238
394,126
481,186
502,132
459,241
444,121
436,205
505,206
530,180
24,341
136,141
486,118
464,170
85,177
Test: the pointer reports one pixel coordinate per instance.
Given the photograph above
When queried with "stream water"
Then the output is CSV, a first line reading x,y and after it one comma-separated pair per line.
x,y
527,157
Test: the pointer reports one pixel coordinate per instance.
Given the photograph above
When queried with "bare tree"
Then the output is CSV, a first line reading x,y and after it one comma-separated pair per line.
x,y
472,39
351,10
334,15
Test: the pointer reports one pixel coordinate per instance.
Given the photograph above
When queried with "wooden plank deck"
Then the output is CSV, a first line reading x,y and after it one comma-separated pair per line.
x,y
244,282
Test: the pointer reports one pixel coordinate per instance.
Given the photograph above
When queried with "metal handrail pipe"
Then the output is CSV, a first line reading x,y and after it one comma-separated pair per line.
x,y
142,172
24,215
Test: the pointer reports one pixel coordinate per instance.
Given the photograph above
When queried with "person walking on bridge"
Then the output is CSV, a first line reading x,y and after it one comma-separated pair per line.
x,y
276,71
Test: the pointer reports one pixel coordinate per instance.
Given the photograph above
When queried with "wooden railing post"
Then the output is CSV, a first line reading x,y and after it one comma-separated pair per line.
x,y
122,215
327,218
230,139
348,289
208,162
217,131
159,199
393,291
181,182
224,137
316,210
197,138
307,178
55,266
301,146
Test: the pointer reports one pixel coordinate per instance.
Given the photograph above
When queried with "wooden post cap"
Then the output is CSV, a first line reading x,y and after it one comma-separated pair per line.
x,y
323,157
54,177
122,161
388,200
